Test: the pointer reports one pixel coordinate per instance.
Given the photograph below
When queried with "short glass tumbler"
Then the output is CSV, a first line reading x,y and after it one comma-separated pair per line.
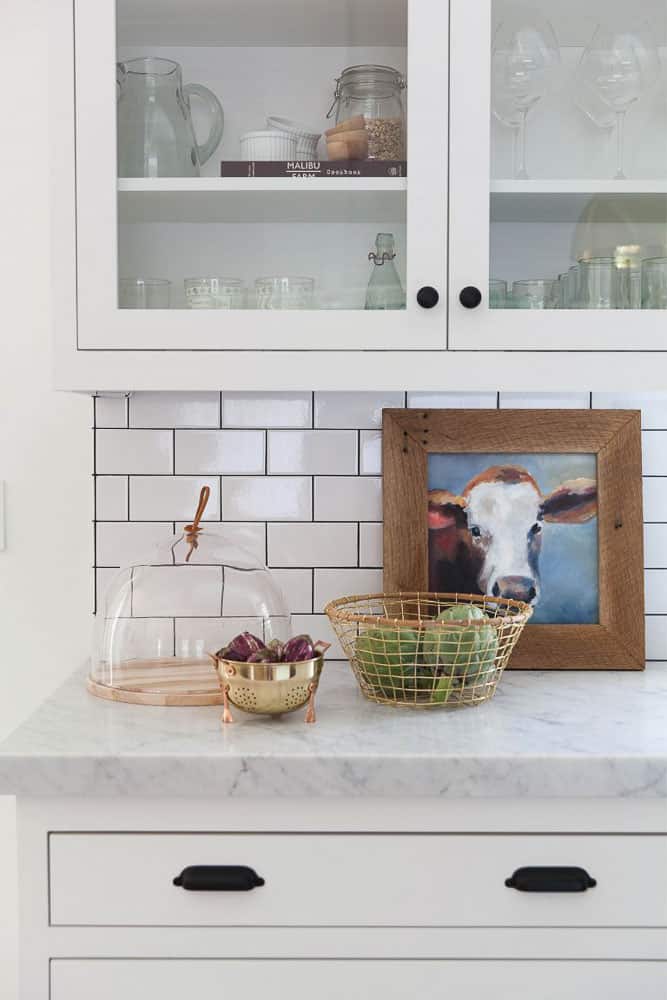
x,y
597,284
497,294
533,294
214,293
654,283
143,293
285,293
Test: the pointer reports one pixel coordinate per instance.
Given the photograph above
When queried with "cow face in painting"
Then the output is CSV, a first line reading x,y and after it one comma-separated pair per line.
x,y
488,540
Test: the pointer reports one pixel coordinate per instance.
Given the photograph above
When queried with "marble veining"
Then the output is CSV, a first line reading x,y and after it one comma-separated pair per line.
x,y
575,735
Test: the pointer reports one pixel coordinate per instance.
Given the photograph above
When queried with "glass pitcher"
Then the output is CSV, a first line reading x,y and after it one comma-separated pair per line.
x,y
156,137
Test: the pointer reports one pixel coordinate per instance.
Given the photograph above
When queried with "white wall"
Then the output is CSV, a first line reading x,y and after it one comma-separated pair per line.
x,y
45,441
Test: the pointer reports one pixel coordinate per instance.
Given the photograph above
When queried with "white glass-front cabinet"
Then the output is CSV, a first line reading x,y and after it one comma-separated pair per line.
x,y
207,234
558,177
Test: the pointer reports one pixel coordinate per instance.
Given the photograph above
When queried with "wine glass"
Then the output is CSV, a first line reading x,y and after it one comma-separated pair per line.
x,y
524,64
617,68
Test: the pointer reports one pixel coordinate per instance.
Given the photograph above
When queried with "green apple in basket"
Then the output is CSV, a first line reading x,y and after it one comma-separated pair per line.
x,y
388,657
460,652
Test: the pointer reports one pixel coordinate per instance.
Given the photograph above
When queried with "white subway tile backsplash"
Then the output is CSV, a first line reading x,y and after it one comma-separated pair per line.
x,y
656,637
177,591
545,400
358,499
219,452
370,453
120,543
111,411
655,499
655,546
251,537
653,406
302,489
172,498
452,400
134,452
111,498
332,583
103,580
175,409
654,453
655,591
312,544
297,586
267,498
312,453
267,409
370,545
354,409
318,627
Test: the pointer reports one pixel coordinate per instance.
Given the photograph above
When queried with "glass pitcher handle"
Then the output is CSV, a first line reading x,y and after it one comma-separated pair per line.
x,y
216,115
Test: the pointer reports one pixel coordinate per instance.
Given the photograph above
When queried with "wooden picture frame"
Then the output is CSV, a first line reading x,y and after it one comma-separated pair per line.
x,y
613,436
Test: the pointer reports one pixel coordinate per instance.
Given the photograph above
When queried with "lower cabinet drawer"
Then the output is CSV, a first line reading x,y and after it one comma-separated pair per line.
x,y
126,879
373,980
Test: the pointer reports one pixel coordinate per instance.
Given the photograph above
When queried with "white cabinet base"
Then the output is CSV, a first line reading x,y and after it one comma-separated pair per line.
x,y
140,956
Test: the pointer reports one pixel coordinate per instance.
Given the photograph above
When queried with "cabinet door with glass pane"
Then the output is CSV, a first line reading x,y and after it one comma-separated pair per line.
x,y
558,168
214,212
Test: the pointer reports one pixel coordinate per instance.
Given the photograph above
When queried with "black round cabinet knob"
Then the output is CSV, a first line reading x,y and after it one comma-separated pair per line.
x,y
470,297
428,297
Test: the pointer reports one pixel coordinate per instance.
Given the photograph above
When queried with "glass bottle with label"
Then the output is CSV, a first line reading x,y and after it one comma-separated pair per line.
x,y
384,288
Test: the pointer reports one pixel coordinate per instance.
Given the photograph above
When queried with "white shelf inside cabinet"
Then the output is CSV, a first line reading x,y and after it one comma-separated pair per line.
x,y
262,22
249,199
565,200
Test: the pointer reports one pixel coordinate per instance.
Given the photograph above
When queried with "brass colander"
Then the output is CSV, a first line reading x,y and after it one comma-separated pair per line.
x,y
269,688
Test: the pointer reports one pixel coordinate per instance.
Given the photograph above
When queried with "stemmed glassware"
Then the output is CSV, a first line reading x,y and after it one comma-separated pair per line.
x,y
524,65
616,69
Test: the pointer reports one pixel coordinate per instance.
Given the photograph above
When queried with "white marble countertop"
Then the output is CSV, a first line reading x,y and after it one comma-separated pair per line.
x,y
544,734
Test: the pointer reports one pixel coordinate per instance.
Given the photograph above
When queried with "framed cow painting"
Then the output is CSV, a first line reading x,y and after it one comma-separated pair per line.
x,y
543,506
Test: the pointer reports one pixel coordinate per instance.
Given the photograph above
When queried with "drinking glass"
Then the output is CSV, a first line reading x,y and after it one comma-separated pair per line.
x,y
603,285
560,291
533,294
524,63
497,294
654,283
285,293
214,293
629,276
572,289
144,293
617,68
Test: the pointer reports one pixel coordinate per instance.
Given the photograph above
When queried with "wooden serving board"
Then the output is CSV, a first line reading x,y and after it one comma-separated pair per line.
x,y
165,681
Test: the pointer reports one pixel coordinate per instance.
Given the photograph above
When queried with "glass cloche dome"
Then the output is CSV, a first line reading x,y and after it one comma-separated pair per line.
x,y
163,617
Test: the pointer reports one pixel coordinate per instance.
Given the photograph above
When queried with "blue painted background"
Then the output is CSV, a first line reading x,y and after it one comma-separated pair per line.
x,y
569,559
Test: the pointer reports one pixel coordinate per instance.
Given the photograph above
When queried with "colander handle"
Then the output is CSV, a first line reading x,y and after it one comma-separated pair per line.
x,y
218,878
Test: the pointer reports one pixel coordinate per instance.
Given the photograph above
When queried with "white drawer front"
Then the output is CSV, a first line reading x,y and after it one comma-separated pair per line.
x,y
355,880
372,980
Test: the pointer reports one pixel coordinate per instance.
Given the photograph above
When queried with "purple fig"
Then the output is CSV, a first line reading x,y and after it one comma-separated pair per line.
x,y
299,648
241,647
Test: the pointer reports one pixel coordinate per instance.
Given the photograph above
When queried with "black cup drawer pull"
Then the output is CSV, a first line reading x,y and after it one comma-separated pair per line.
x,y
218,878
550,880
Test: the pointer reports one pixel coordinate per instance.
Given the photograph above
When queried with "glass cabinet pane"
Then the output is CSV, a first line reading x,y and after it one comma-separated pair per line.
x,y
230,193
578,196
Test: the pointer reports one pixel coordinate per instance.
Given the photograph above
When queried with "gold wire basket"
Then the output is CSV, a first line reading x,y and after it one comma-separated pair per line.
x,y
424,650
